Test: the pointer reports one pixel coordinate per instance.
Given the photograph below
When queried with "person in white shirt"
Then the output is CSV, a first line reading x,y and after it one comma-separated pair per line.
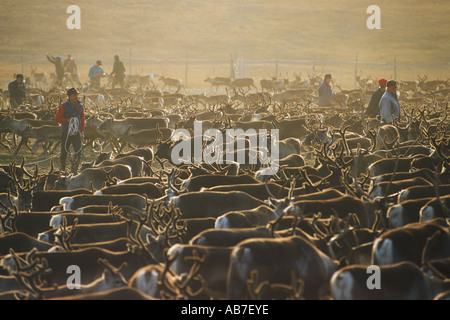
x,y
389,105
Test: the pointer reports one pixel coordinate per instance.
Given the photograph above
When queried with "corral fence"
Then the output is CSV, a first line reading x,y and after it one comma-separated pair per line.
x,y
193,72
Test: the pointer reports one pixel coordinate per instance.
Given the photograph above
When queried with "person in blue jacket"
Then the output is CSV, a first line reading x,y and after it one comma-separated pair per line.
x,y
96,73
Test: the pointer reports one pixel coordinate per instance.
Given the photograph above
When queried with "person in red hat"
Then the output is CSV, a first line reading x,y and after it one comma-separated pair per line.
x,y
373,109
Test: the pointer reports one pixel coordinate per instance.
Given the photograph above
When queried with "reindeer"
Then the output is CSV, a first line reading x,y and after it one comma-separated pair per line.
x,y
25,190
293,257
48,135
431,84
274,84
365,83
170,82
38,78
243,83
298,82
111,278
218,81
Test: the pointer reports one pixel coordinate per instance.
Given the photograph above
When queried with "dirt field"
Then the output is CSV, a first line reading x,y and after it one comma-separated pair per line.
x,y
411,31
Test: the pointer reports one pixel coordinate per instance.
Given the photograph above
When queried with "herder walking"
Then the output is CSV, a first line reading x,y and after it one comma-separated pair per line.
x,y
70,115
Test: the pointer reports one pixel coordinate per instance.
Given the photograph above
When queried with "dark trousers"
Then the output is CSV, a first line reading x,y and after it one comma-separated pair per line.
x,y
76,143
16,102
118,80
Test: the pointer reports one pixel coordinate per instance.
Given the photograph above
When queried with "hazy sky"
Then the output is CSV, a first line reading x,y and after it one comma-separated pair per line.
x,y
411,30
254,28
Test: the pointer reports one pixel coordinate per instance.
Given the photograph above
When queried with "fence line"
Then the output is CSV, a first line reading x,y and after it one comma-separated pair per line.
x,y
234,66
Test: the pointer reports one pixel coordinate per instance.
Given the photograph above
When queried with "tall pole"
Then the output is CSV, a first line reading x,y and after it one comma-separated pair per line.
x,y
187,70
129,60
395,68
21,51
276,64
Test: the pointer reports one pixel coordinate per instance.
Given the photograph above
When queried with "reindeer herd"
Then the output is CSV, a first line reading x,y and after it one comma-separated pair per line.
x,y
348,195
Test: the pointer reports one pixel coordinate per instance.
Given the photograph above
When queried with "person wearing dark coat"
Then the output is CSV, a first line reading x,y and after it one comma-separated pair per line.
x,y
325,92
17,93
58,67
118,72
373,109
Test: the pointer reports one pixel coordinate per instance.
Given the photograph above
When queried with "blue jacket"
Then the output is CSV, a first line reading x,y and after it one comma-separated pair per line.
x,y
325,94
67,111
95,70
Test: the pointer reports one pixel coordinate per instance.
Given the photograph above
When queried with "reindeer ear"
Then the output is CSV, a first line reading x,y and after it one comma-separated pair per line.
x,y
161,239
272,202
129,247
107,274
150,238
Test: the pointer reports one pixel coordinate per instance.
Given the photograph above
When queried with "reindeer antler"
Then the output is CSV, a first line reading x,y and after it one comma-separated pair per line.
x,y
106,264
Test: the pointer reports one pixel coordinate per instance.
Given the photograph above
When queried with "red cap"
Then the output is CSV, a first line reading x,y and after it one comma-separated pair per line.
x,y
382,81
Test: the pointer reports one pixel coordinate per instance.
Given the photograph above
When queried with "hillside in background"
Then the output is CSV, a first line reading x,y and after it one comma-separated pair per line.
x,y
411,31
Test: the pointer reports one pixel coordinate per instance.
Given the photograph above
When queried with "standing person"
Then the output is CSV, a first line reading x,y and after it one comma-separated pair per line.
x,y
389,105
373,108
95,74
70,115
58,67
325,92
69,65
17,93
118,72
70,68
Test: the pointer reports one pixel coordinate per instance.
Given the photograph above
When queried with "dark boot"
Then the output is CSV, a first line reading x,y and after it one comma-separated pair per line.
x,y
62,165
75,166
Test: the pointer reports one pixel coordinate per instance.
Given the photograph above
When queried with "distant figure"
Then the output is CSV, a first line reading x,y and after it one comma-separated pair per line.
x,y
389,105
118,72
70,115
17,93
325,92
95,74
71,70
58,67
373,108
69,65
